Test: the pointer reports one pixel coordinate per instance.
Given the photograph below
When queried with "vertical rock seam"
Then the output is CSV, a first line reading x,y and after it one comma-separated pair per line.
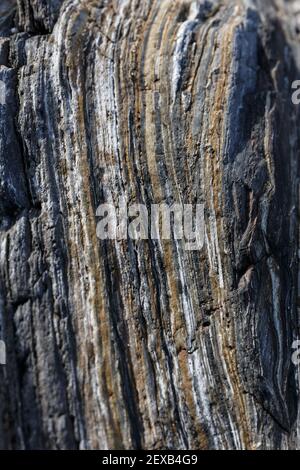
x,y
140,343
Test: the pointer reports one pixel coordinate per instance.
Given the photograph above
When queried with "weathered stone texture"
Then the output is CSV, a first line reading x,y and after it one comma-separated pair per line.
x,y
141,343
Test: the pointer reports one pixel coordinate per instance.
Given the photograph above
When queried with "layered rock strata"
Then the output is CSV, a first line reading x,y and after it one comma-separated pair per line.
x,y
141,343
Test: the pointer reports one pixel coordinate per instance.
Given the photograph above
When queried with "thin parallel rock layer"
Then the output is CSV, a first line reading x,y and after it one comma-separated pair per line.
x,y
144,344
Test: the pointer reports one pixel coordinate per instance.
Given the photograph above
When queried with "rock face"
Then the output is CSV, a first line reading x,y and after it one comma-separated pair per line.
x,y
142,343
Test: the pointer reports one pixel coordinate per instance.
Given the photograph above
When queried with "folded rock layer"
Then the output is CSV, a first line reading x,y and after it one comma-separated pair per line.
x,y
127,344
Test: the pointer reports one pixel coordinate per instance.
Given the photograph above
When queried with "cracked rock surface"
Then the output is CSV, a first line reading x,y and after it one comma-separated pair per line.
x,y
141,343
